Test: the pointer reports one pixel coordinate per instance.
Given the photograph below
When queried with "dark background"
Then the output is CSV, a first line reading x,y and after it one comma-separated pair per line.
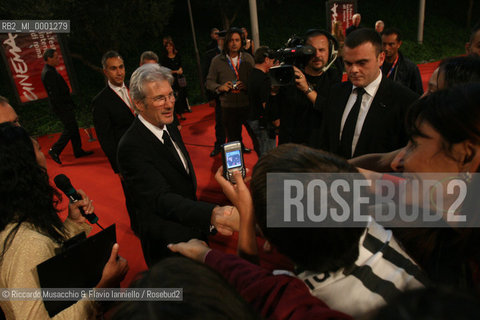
x,y
131,27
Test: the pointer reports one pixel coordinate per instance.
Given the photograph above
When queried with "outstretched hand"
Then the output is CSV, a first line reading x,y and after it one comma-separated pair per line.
x,y
226,220
194,249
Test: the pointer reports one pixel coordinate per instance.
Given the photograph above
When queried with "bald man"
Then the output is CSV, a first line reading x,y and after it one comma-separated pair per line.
x,y
356,19
7,113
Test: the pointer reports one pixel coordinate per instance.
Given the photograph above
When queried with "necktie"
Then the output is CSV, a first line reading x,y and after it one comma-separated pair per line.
x,y
167,141
350,124
126,98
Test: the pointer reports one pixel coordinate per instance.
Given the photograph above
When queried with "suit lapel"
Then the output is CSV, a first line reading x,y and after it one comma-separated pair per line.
x,y
116,100
177,137
158,146
375,115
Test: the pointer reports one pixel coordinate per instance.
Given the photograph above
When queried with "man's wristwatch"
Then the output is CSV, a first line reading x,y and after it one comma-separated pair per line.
x,y
310,89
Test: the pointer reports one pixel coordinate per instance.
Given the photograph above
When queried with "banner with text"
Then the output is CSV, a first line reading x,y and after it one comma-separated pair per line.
x,y
341,12
23,55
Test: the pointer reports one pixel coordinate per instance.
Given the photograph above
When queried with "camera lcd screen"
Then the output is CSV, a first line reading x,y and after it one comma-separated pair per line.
x,y
234,159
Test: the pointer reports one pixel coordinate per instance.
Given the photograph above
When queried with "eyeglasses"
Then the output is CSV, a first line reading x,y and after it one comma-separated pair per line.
x,y
161,100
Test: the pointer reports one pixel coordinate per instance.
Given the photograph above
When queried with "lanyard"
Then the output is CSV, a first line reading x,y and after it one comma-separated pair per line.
x,y
393,67
235,68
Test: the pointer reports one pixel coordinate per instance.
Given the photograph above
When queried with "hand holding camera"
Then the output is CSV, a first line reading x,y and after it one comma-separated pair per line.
x,y
226,87
300,80
237,85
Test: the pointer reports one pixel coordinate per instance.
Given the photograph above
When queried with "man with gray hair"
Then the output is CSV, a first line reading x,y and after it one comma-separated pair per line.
x,y
379,26
356,19
158,171
148,57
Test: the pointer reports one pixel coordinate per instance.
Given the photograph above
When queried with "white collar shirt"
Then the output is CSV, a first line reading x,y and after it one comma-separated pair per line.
x,y
158,132
370,92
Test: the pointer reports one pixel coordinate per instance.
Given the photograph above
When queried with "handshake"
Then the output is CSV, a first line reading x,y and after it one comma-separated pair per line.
x,y
227,219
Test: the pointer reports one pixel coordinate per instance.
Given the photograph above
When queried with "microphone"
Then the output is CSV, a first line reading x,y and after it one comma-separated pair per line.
x,y
63,183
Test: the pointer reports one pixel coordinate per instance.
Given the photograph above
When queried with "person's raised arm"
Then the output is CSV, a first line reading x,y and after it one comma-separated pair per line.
x,y
240,197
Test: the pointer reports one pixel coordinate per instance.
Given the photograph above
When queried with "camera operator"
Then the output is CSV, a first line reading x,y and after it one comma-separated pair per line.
x,y
322,70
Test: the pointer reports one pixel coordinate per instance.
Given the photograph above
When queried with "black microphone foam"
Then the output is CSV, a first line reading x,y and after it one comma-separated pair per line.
x,y
63,183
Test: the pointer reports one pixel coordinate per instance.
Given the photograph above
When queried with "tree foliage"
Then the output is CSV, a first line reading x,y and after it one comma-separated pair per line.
x,y
227,9
97,26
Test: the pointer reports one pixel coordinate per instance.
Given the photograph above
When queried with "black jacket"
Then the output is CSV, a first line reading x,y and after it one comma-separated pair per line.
x,y
296,110
111,118
406,72
384,126
164,194
57,89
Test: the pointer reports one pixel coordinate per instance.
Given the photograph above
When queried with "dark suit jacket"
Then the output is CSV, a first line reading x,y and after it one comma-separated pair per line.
x,y
384,126
163,192
111,118
57,89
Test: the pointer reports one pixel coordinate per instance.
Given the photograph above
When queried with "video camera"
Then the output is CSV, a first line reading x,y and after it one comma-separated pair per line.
x,y
221,34
294,53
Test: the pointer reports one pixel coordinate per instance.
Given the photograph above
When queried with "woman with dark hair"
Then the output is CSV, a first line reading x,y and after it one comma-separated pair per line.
x,y
458,70
31,230
444,130
249,45
173,61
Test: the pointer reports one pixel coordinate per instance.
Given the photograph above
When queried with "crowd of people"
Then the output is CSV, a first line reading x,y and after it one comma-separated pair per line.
x,y
378,121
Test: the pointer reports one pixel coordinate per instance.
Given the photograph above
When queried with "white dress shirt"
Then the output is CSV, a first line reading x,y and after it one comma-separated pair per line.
x,y
370,92
158,132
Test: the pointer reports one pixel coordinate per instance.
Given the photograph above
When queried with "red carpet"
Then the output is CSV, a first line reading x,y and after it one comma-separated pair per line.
x,y
94,175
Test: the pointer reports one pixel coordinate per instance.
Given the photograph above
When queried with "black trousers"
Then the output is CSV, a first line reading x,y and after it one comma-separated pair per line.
x,y
220,136
70,131
233,118
180,100
131,209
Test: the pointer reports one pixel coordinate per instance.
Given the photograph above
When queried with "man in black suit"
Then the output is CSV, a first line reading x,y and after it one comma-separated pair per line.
x,y
356,19
112,107
112,116
159,173
62,105
365,114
